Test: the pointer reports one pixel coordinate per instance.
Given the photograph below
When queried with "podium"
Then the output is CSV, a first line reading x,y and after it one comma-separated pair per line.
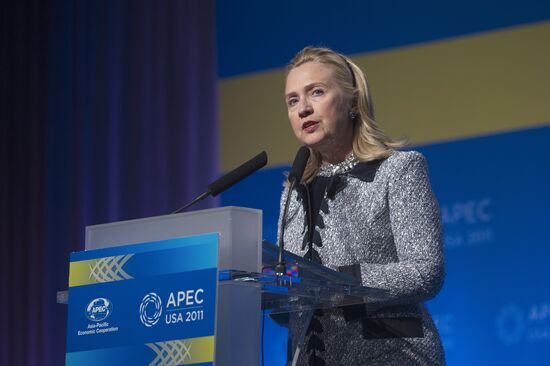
x,y
226,279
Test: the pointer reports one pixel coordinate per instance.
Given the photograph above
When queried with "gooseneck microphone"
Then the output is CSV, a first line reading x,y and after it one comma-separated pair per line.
x,y
294,177
234,176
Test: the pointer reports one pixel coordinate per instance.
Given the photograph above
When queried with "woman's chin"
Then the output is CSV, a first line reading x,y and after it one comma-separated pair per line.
x,y
312,140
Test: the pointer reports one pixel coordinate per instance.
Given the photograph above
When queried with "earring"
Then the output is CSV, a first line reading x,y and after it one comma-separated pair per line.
x,y
352,115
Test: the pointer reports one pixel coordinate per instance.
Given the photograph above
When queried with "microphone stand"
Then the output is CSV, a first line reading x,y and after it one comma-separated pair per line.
x,y
199,198
295,176
280,268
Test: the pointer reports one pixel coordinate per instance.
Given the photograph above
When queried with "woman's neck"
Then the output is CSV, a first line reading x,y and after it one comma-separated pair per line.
x,y
335,153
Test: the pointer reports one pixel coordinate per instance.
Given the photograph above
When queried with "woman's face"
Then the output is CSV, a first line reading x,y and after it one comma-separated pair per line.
x,y
318,109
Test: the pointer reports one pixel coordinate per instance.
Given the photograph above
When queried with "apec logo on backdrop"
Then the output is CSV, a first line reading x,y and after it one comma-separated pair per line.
x,y
468,223
182,306
97,312
99,309
467,212
150,309
516,324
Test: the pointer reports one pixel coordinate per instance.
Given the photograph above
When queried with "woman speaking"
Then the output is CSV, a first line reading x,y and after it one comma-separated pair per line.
x,y
366,209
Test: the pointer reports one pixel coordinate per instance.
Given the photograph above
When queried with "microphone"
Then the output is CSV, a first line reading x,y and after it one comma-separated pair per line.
x,y
295,176
229,179
299,165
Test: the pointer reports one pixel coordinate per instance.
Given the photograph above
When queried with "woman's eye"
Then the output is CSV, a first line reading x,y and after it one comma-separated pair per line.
x,y
292,102
318,92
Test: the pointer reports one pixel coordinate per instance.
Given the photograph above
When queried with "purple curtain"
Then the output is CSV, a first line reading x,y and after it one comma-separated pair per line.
x,y
108,113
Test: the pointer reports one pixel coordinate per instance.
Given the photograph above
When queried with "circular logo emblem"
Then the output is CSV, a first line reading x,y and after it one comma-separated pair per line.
x,y
510,324
99,309
150,309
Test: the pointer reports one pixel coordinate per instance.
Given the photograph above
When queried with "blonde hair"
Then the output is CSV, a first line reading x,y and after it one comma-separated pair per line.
x,y
369,142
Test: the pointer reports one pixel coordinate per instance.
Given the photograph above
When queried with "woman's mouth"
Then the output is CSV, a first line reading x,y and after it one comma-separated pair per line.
x,y
310,126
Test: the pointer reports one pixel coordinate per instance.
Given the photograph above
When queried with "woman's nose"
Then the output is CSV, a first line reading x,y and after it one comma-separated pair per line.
x,y
305,108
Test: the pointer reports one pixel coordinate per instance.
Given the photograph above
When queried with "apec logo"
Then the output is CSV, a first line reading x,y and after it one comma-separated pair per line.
x,y
99,309
181,307
468,213
150,309
523,324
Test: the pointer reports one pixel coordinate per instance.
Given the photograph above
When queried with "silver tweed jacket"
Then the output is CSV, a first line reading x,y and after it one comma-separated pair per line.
x,y
382,219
